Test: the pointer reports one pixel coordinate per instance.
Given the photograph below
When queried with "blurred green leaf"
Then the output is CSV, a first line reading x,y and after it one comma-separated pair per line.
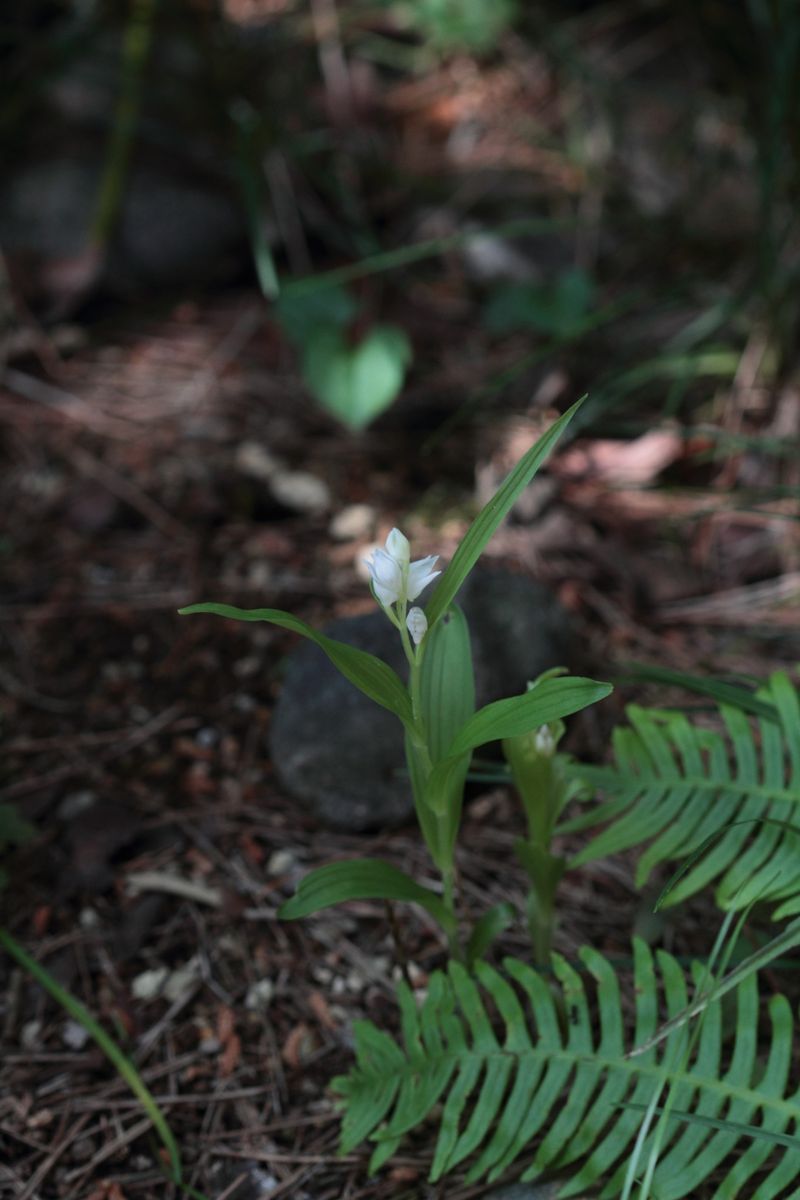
x,y
302,314
559,308
361,879
462,24
356,383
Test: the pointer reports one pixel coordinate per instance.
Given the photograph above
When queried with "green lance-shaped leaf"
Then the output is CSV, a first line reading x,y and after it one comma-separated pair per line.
x,y
447,701
491,515
447,684
551,699
370,675
361,879
548,701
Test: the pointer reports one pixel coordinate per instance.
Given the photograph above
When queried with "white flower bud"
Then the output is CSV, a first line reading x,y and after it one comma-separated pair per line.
x,y
544,741
397,545
417,624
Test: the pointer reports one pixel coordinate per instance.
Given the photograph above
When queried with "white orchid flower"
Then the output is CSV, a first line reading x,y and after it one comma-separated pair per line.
x,y
395,579
417,624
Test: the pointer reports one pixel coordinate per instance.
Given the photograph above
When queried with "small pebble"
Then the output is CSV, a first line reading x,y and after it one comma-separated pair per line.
x,y
181,980
255,460
280,862
149,984
301,491
29,1034
353,522
75,803
259,995
74,1035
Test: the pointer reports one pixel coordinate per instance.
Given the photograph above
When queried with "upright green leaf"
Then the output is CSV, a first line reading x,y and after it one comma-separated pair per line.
x,y
491,515
447,685
447,700
370,675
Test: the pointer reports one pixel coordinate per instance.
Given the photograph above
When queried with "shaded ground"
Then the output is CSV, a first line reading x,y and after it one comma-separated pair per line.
x,y
135,740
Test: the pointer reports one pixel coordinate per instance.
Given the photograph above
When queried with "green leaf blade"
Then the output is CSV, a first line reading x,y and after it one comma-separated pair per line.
x,y
369,674
549,701
489,518
360,879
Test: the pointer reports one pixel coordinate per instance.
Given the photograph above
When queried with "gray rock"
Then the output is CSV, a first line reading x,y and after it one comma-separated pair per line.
x,y
342,755
172,229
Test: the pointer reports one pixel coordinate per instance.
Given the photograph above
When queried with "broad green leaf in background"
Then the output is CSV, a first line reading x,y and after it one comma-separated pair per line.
x,y
302,314
558,308
370,675
356,383
361,879
489,518
475,25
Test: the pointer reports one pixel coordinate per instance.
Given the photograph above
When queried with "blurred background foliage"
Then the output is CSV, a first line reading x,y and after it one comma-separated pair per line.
x,y
156,147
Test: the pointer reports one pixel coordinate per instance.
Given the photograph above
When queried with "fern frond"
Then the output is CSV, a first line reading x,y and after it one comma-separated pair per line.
x,y
675,785
572,1091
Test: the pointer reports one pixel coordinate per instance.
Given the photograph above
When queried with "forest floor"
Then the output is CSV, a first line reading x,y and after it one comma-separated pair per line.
x,y
173,454
136,741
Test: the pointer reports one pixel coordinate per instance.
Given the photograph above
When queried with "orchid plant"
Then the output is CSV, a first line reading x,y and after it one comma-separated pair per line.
x,y
436,705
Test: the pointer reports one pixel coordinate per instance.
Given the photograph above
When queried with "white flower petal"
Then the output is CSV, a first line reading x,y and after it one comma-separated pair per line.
x,y
420,575
387,577
398,546
417,624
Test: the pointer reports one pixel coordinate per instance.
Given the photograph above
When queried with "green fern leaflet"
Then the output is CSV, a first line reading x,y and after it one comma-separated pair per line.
x,y
675,785
570,1093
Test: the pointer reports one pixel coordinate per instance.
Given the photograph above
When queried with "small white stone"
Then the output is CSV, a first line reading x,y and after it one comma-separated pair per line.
x,y
259,995
148,985
352,523
74,1035
181,980
255,460
76,803
300,491
280,862
29,1034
